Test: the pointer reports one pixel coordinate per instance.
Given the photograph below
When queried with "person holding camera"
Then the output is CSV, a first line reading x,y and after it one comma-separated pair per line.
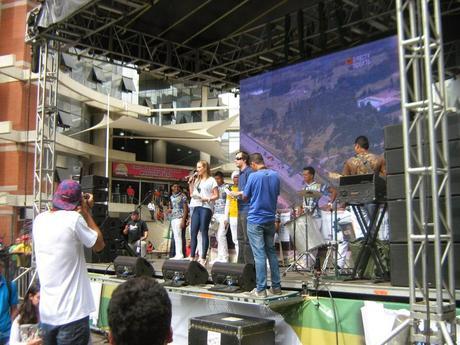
x,y
136,232
66,299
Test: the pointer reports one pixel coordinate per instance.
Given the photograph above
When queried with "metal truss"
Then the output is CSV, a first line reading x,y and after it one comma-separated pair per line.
x,y
427,175
103,30
46,126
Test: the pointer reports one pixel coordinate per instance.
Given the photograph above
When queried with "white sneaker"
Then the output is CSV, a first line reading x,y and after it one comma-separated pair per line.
x,y
178,257
256,294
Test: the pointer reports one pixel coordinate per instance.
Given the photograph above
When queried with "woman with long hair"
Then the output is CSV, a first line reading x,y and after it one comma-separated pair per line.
x,y
24,330
203,192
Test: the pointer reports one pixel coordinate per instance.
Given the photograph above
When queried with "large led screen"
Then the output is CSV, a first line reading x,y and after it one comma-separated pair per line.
x,y
310,113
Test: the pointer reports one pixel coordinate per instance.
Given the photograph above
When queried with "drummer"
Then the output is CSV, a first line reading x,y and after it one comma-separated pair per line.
x,y
314,191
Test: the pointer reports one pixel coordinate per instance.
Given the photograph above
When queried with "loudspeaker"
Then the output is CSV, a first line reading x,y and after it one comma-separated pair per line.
x,y
99,195
395,158
128,266
397,218
184,272
94,182
99,210
399,265
393,133
396,185
241,276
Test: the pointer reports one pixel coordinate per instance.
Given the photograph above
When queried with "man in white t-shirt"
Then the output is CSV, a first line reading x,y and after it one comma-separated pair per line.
x,y
59,236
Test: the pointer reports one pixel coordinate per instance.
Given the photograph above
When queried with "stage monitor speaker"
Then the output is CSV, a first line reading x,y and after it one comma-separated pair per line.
x,y
184,272
231,329
128,267
233,277
397,217
94,182
399,266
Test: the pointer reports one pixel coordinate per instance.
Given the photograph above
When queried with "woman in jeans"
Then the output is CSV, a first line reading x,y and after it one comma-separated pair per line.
x,y
203,192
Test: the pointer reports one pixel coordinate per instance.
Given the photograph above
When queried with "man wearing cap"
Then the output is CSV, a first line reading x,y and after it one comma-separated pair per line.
x,y
136,231
66,299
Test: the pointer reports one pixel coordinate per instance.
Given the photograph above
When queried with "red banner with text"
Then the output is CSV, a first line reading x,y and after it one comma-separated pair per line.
x,y
148,171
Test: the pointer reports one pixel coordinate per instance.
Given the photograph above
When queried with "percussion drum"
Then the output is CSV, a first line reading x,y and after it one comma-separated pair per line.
x,y
302,224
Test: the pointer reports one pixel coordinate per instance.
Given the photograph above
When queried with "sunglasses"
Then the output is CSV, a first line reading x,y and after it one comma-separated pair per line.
x,y
238,158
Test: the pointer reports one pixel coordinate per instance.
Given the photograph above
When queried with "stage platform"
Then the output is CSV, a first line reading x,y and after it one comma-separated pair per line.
x,y
297,281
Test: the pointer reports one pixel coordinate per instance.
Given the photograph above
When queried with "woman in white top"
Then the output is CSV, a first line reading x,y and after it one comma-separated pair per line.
x,y
24,330
203,192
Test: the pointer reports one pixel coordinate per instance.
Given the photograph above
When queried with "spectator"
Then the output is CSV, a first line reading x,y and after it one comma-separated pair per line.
x,y
24,330
139,313
152,209
130,192
8,305
59,237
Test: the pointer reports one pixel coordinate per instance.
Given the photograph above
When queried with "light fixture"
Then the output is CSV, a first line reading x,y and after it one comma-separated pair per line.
x,y
122,147
146,141
189,152
178,150
122,133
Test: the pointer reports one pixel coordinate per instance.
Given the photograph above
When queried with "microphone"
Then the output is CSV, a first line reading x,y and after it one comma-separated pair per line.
x,y
187,178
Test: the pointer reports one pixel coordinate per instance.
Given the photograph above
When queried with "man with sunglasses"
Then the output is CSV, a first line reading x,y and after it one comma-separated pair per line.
x,y
244,253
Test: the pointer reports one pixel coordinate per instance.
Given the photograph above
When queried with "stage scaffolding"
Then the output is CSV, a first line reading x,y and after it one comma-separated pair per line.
x,y
427,176
45,154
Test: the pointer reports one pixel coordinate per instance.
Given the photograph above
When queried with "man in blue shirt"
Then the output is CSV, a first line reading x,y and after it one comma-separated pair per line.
x,y
8,305
244,253
262,190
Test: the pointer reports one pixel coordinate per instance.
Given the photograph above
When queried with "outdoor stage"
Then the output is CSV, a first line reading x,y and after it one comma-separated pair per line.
x,y
324,315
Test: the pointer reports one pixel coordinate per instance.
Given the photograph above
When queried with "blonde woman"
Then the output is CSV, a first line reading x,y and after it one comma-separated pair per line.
x,y
203,192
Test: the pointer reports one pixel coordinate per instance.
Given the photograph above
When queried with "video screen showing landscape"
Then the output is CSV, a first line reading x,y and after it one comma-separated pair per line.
x,y
310,113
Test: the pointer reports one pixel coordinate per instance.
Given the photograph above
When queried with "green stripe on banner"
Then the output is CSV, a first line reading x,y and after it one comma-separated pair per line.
x,y
107,290
318,313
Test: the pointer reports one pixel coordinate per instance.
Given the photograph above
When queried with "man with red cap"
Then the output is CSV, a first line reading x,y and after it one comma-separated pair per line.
x,y
66,299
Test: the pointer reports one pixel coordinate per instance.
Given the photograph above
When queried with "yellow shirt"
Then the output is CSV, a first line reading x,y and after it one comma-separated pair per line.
x,y
233,203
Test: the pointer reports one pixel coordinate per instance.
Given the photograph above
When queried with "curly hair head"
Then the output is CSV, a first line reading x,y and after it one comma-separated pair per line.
x,y
139,313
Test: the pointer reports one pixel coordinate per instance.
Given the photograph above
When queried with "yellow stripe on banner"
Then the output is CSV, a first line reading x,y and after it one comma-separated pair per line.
x,y
107,290
320,337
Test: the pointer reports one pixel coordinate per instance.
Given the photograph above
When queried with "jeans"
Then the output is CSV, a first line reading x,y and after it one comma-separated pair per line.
x,y
74,333
261,239
245,255
4,341
201,218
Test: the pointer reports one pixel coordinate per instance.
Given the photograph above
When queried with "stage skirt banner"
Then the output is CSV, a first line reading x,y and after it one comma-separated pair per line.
x,y
314,320
144,171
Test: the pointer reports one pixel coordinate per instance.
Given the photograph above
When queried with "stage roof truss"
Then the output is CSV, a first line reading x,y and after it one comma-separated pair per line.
x,y
280,33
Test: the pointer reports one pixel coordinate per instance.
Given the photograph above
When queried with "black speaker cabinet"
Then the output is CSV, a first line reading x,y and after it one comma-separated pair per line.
x,y
184,272
231,329
396,185
399,266
99,195
393,133
397,218
128,266
94,182
395,158
99,210
242,276
360,189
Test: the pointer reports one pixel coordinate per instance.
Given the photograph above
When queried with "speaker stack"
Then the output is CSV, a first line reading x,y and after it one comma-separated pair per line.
x,y
394,157
98,186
